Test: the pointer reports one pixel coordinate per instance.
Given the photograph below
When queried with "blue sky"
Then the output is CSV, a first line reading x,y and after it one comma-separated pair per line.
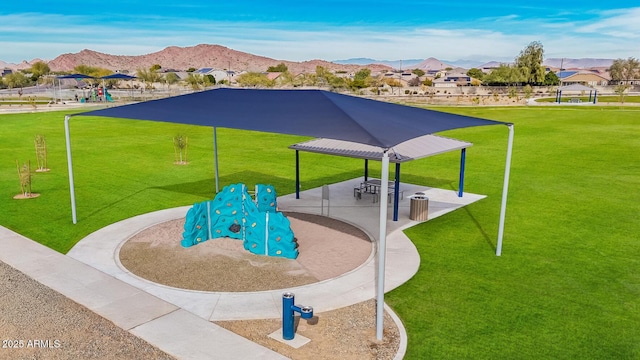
x,y
329,30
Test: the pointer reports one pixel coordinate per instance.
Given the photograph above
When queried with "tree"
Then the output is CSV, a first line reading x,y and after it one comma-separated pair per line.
x,y
620,90
191,69
170,79
504,75
209,80
304,79
194,80
361,79
285,78
323,76
624,70
418,72
279,68
254,79
38,70
155,67
528,91
414,81
149,77
92,71
337,82
551,78
529,63
475,73
16,80
85,69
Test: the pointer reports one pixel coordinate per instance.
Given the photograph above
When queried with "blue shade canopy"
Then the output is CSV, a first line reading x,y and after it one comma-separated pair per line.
x,y
316,113
75,76
119,76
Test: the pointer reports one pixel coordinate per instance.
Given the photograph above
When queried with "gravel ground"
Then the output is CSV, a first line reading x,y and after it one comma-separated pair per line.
x,y
348,333
37,322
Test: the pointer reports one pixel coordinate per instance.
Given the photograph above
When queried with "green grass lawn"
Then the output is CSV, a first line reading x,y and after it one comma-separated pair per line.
x,y
566,287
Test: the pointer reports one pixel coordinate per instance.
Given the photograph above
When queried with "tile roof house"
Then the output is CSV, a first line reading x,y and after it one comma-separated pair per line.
x,y
453,80
582,77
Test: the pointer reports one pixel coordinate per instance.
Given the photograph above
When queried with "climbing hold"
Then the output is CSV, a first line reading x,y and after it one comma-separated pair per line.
x,y
235,228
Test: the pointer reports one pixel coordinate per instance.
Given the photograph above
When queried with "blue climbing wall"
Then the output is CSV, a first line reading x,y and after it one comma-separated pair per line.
x,y
234,214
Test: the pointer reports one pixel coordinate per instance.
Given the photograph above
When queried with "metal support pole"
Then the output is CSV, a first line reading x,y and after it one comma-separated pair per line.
x,y
382,244
215,156
463,156
297,175
72,190
366,169
396,193
505,190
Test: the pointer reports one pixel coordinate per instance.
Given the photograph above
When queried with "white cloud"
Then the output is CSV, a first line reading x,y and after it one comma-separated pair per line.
x,y
624,23
613,34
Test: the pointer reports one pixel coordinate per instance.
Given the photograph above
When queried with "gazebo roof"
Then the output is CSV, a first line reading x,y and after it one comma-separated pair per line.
x,y
576,87
417,148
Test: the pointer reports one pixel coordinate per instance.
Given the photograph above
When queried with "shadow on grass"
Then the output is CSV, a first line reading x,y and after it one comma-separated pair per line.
x,y
486,236
428,181
206,187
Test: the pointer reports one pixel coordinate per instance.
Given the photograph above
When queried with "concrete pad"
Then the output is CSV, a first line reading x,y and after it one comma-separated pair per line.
x,y
187,336
255,305
297,342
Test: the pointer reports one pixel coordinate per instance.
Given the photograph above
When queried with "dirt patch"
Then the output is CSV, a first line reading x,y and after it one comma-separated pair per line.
x,y
348,334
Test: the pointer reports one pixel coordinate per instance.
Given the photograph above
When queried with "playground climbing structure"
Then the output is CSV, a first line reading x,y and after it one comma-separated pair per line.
x,y
234,214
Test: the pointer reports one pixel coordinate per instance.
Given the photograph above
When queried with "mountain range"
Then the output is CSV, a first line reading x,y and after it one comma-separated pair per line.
x,y
217,56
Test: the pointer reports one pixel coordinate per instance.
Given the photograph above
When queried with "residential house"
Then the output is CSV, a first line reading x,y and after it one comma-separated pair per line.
x,y
582,77
219,75
453,80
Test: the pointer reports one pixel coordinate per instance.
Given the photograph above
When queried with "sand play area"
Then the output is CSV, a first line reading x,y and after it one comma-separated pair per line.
x,y
327,248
